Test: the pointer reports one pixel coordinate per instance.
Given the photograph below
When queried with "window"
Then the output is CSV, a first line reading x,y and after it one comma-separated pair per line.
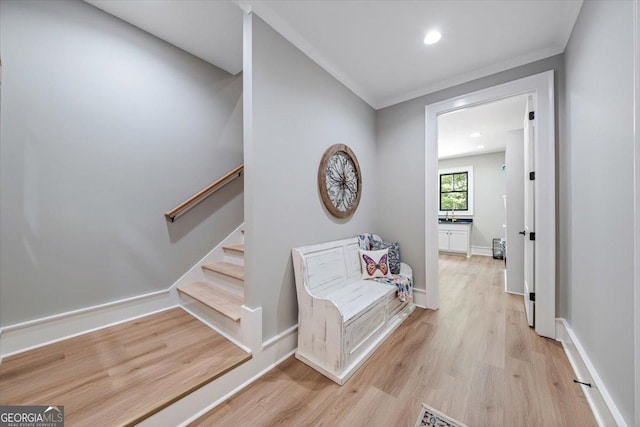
x,y
456,190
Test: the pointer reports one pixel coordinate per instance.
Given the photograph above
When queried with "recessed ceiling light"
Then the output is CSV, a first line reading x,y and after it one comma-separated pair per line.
x,y
432,37
480,147
475,134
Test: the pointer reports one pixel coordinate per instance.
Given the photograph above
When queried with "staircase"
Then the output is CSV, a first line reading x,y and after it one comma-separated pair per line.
x,y
214,289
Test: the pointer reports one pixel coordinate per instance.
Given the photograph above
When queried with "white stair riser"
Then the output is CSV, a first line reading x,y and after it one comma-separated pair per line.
x,y
234,257
212,317
229,283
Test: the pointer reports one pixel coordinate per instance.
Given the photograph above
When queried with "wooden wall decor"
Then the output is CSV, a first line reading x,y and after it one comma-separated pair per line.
x,y
340,181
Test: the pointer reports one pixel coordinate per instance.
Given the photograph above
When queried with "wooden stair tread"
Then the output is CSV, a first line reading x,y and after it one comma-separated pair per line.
x,y
215,297
232,270
235,248
123,374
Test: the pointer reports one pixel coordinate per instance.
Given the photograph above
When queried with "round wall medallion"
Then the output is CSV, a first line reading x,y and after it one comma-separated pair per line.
x,y
339,180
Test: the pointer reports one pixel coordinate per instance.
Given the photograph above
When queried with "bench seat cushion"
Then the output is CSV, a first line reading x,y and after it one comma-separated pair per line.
x,y
356,297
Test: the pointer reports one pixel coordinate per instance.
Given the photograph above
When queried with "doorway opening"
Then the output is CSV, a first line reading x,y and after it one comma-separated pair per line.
x,y
481,185
540,87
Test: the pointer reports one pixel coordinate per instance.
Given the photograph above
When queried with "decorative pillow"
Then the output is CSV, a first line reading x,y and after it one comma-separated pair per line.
x,y
374,263
394,254
366,239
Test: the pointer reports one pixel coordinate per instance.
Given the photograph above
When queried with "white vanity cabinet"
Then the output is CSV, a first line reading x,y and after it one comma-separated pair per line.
x,y
455,238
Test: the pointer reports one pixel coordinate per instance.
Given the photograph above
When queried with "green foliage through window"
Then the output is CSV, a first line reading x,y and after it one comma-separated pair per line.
x,y
454,191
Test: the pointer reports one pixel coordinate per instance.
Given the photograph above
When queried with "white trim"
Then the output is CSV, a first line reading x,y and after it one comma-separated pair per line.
x,y
545,212
604,408
420,298
188,409
514,293
482,251
248,149
47,330
277,338
75,313
636,217
505,281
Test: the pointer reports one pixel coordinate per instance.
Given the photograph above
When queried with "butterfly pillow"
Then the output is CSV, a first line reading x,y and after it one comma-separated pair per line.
x,y
374,263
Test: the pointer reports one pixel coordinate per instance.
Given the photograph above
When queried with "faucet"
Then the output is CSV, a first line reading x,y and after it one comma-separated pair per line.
x,y
453,215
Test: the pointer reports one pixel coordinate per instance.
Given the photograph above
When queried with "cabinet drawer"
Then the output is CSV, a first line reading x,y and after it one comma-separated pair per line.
x,y
358,331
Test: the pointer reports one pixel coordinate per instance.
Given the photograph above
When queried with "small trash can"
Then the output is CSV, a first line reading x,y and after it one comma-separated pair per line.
x,y
498,253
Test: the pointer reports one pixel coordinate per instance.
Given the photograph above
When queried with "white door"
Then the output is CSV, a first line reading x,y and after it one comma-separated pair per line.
x,y
529,220
514,159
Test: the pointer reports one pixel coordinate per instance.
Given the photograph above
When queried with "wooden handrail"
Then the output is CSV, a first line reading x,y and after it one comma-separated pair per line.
x,y
188,204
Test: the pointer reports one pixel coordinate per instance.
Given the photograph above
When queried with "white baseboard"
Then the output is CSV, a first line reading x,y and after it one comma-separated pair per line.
x,y
481,250
188,409
506,288
420,298
603,407
37,333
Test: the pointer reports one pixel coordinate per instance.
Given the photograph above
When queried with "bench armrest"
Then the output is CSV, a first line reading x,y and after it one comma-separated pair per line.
x,y
405,270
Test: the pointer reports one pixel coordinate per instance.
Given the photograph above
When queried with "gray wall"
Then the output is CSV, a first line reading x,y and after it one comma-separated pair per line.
x,y
104,128
401,139
596,194
489,185
298,111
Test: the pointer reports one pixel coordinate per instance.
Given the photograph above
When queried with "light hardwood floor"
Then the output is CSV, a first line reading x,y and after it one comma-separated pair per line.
x,y
475,359
121,374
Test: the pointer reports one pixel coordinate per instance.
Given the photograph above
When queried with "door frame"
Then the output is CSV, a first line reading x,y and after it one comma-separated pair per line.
x,y
636,216
542,86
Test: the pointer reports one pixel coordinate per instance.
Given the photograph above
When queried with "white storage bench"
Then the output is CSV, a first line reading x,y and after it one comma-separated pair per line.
x,y
342,318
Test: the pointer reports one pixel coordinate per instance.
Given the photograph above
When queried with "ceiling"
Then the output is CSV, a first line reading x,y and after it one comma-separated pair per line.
x,y
374,47
210,30
492,120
